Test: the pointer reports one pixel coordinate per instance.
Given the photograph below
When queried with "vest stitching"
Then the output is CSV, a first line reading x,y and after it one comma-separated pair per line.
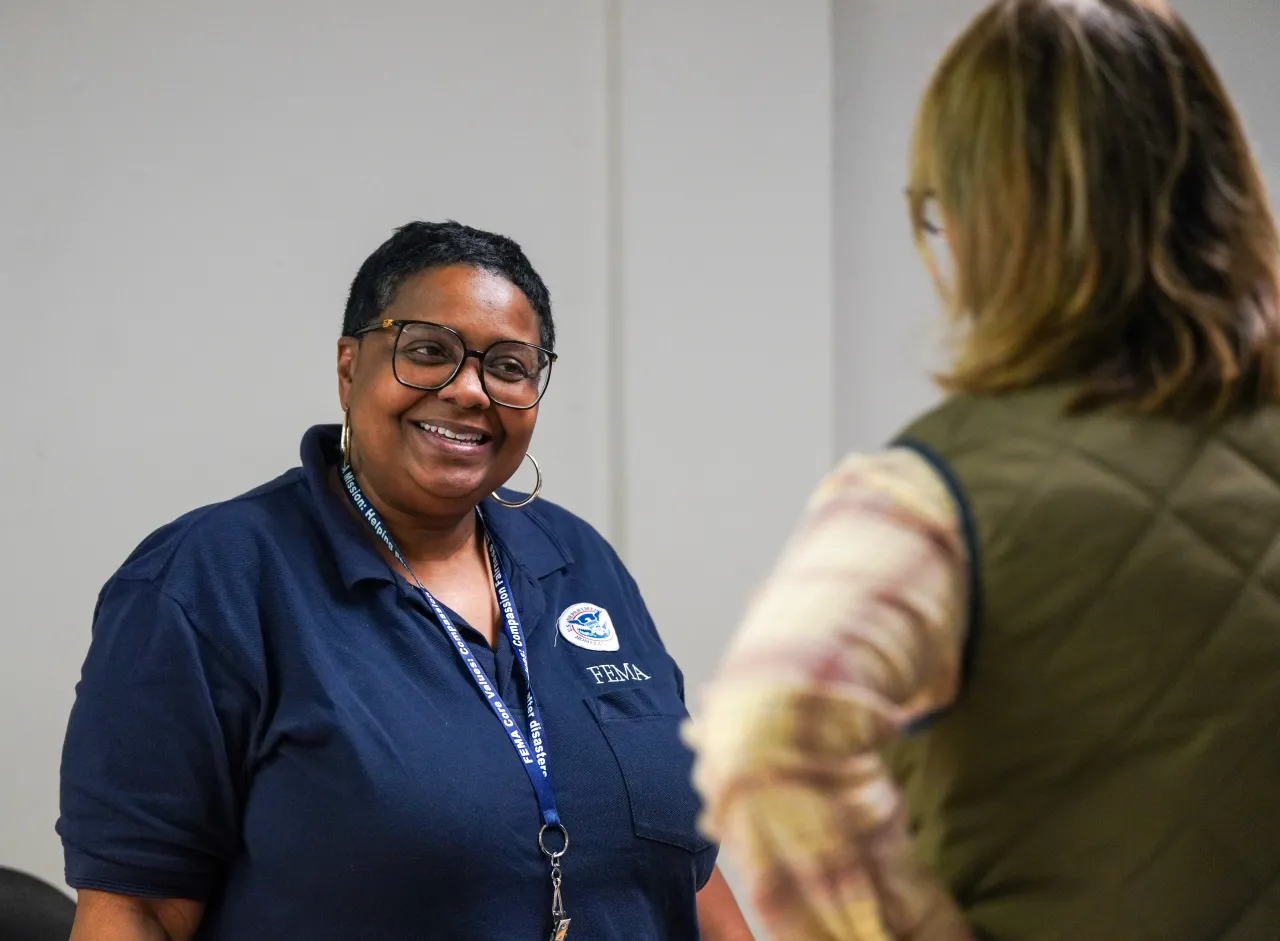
x,y
1260,899
1099,752
1152,707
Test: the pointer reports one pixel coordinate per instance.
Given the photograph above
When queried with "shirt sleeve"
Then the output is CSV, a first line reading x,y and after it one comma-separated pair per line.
x,y
154,761
857,633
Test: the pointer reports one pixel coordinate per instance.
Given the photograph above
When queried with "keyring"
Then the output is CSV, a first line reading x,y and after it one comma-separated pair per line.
x,y
542,845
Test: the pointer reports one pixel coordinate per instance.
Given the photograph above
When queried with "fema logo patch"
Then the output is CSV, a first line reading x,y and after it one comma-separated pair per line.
x,y
588,626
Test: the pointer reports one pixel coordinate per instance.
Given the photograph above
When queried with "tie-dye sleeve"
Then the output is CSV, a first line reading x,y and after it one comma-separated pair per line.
x,y
857,632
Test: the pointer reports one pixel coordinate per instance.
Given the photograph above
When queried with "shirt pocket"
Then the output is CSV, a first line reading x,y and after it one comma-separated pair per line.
x,y
642,727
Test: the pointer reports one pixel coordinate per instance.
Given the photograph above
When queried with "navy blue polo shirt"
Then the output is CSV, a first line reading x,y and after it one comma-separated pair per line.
x,y
270,720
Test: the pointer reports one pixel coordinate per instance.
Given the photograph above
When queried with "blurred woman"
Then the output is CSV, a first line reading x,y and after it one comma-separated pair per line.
x,y
1018,676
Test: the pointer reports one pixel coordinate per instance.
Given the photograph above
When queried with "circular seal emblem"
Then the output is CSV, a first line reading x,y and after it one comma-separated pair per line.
x,y
589,626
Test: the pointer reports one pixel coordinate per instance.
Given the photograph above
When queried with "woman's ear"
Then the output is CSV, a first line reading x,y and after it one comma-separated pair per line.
x,y
348,360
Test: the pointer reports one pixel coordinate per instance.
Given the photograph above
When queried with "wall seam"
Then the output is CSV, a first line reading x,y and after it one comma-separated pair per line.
x,y
615,341
833,235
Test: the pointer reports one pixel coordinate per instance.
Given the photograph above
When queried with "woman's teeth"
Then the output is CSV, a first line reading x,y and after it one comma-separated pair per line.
x,y
465,438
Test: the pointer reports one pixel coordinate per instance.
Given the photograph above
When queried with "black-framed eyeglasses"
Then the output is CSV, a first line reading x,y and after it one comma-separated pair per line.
x,y
926,214
429,356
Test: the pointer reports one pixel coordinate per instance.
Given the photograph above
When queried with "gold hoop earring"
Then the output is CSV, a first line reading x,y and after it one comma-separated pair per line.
x,y
345,442
537,489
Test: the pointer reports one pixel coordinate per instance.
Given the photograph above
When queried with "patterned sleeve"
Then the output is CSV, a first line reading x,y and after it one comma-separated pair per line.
x,y
857,632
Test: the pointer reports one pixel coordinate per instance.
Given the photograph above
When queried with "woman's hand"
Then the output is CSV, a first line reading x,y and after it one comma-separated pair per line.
x,y
718,914
103,916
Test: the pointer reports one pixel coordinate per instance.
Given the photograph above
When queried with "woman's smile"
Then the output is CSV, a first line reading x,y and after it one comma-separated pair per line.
x,y
455,438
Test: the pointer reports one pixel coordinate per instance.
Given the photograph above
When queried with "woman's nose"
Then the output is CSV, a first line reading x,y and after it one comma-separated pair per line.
x,y
466,390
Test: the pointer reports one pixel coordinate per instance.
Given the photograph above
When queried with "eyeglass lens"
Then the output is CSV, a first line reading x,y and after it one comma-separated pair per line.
x,y
514,373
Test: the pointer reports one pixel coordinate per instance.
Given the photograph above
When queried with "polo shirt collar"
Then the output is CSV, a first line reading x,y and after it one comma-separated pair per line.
x,y
357,558
524,535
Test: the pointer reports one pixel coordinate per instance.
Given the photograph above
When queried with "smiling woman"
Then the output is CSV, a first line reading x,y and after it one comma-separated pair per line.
x,y
293,721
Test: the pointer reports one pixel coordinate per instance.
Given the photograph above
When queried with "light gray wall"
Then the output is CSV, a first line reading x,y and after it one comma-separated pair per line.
x,y
887,337
727,298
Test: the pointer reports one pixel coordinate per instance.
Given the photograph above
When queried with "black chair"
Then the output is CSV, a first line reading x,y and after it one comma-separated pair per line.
x,y
32,910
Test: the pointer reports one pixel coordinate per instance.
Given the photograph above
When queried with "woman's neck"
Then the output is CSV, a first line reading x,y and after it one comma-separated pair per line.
x,y
428,542
424,541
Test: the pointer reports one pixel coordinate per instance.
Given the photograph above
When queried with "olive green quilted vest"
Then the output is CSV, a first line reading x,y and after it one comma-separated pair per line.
x,y
1111,770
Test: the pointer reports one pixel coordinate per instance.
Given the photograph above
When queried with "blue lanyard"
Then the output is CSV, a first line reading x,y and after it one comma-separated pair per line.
x,y
534,758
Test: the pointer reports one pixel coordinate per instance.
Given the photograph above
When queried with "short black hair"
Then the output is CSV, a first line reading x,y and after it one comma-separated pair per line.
x,y
420,246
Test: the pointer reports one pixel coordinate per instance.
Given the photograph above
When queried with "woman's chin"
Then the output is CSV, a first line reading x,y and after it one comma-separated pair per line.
x,y
455,488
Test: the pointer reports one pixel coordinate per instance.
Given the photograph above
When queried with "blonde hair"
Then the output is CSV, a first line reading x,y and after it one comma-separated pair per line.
x,y
1108,222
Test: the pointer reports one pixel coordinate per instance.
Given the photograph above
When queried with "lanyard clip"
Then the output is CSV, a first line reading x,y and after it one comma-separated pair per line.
x,y
560,924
